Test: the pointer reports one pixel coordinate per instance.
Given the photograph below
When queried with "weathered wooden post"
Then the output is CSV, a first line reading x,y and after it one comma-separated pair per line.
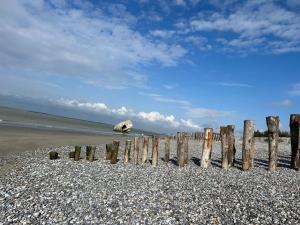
x,y
127,151
77,153
145,149
91,155
114,152
108,151
72,154
154,150
295,141
231,145
248,144
207,148
225,147
273,131
182,152
53,155
87,152
136,151
167,149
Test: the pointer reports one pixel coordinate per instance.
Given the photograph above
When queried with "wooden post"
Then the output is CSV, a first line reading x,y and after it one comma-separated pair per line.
x,y
145,149
207,148
295,141
231,145
136,151
248,144
273,131
87,152
91,153
225,146
182,145
154,150
127,151
186,148
167,149
77,153
114,152
72,154
108,151
53,155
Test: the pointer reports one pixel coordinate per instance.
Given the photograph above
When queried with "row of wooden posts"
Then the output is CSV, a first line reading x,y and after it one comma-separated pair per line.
x,y
227,146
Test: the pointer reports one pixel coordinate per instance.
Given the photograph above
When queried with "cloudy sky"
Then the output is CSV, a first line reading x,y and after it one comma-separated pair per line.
x,y
172,64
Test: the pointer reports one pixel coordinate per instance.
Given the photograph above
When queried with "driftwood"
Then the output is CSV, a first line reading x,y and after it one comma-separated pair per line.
x,y
127,151
53,155
108,151
154,150
207,148
124,126
114,152
167,149
295,141
182,149
248,145
136,151
273,132
77,153
145,149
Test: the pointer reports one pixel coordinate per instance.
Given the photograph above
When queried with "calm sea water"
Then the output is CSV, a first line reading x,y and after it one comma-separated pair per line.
x,y
22,118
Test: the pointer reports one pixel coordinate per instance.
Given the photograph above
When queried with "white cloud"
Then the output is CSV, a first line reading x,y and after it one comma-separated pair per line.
x,y
160,98
295,90
207,113
232,84
83,42
155,118
283,103
162,33
169,86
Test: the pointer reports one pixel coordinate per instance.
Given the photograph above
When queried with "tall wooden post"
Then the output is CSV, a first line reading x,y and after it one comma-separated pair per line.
x,y
273,131
154,150
77,153
231,145
248,144
186,148
182,152
136,151
225,147
91,153
207,148
145,150
295,141
108,151
127,151
167,149
115,150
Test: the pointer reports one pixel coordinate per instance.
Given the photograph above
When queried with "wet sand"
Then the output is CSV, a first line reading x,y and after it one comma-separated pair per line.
x,y
18,139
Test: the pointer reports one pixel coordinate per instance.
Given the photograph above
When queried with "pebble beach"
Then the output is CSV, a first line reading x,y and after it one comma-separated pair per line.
x,y
63,191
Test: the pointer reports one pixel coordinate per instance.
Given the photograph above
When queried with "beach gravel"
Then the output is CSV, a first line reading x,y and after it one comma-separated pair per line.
x,y
43,191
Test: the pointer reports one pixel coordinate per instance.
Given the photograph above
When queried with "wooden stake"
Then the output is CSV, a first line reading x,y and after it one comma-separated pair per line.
x,y
248,144
207,148
273,131
154,150
182,145
167,149
231,145
108,151
145,149
91,153
295,141
77,153
186,148
114,152
136,151
127,151
225,147
72,154
87,152
53,155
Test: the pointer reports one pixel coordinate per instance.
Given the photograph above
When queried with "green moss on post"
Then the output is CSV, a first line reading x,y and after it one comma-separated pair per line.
x,y
91,153
53,155
72,154
114,152
77,153
87,152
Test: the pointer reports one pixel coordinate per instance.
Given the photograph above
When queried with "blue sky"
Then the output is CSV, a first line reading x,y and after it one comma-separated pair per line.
x,y
170,65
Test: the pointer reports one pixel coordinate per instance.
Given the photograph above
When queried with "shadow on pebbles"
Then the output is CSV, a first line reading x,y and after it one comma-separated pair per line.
x,y
41,191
